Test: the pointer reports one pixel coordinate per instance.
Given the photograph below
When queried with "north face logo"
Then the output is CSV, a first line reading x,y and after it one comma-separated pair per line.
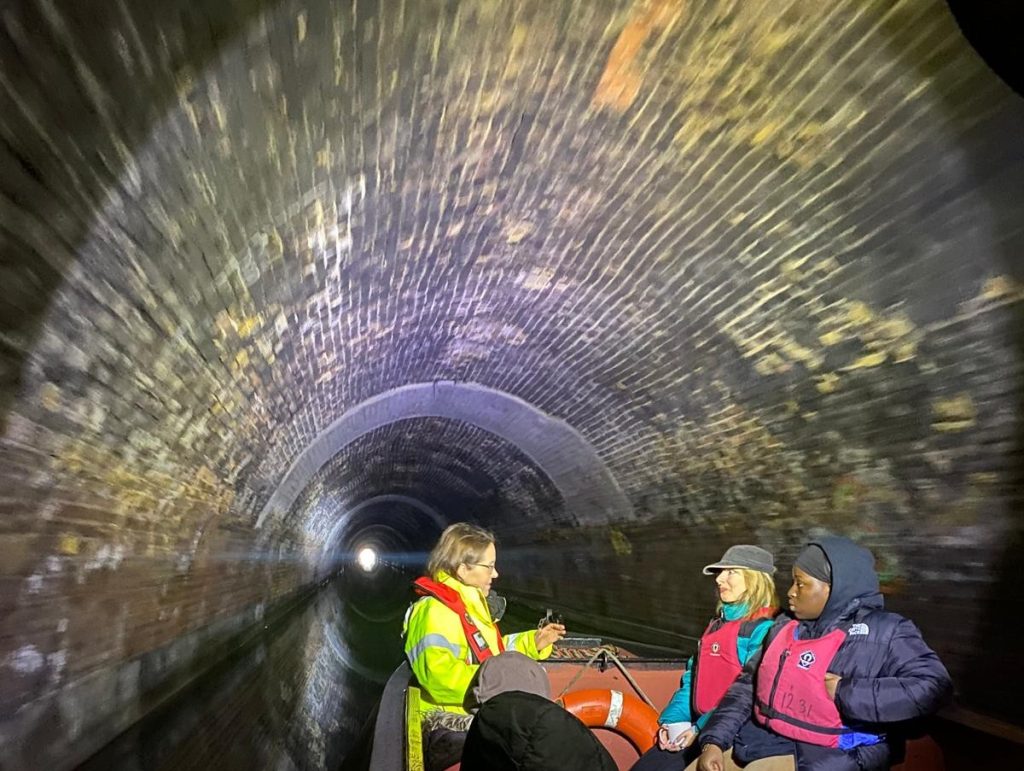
x,y
858,629
806,659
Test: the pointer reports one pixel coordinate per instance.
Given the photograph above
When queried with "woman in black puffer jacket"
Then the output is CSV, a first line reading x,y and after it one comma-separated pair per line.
x,y
834,682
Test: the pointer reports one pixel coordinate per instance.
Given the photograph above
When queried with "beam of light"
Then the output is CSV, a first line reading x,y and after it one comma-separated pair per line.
x,y
367,558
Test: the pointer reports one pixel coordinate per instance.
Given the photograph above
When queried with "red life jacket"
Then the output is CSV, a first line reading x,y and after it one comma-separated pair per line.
x,y
717,663
452,600
791,698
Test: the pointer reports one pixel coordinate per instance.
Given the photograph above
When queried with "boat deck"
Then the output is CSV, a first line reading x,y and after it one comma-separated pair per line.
x,y
396,743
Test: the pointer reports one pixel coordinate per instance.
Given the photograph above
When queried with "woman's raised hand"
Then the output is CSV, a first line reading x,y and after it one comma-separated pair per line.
x,y
548,634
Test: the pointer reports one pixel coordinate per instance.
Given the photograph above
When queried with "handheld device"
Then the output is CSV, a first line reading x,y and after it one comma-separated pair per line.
x,y
551,617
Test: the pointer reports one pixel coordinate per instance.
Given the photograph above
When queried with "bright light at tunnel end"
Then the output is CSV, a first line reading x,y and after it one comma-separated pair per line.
x,y
366,558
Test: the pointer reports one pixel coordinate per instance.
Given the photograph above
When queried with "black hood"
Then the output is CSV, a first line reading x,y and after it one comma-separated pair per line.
x,y
854,583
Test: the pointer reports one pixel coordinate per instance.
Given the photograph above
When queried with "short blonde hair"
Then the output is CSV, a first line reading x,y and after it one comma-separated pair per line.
x,y
461,543
760,592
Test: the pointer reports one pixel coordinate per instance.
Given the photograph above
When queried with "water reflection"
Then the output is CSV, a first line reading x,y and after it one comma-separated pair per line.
x,y
294,697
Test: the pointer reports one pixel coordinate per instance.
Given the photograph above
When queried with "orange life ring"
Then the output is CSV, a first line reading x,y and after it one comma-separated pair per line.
x,y
620,712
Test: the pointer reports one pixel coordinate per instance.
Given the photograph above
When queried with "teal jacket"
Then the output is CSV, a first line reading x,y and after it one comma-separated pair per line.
x,y
679,706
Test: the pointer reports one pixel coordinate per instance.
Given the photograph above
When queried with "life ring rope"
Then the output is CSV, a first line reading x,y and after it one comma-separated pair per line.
x,y
607,653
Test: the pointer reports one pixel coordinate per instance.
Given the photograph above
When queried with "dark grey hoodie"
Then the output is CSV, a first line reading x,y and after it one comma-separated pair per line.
x,y
890,676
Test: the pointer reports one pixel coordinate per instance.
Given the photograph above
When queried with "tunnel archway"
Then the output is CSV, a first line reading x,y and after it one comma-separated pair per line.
x,y
588,487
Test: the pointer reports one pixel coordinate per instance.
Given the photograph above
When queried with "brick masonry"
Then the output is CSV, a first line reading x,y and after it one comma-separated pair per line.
x,y
764,258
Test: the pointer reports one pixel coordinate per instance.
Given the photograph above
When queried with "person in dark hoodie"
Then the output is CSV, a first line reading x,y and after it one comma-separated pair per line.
x,y
834,683
518,728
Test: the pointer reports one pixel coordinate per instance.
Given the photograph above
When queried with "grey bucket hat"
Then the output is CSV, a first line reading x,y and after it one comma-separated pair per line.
x,y
744,555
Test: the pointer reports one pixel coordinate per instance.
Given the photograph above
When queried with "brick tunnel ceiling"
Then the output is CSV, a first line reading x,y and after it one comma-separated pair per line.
x,y
764,258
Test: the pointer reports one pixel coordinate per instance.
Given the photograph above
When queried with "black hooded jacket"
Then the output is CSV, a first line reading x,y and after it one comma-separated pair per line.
x,y
517,731
889,675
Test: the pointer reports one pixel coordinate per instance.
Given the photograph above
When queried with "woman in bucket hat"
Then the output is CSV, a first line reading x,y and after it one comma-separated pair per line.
x,y
747,603
838,681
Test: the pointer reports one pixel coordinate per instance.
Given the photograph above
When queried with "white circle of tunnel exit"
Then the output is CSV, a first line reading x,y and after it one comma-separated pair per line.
x,y
367,558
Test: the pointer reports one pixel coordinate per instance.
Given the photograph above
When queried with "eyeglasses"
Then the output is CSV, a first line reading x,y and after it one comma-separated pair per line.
x,y
488,565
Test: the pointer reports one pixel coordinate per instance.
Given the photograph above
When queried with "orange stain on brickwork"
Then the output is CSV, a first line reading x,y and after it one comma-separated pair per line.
x,y
622,77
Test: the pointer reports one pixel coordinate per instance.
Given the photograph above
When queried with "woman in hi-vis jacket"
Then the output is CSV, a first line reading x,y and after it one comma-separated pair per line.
x,y
449,632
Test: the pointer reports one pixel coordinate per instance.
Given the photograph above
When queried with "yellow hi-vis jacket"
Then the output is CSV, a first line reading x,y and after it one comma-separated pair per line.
x,y
438,652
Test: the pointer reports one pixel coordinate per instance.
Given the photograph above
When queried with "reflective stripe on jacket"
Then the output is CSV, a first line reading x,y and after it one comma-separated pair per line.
x,y
436,647
479,648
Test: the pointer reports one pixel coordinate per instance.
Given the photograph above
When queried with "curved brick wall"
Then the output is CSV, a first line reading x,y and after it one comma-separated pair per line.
x,y
764,260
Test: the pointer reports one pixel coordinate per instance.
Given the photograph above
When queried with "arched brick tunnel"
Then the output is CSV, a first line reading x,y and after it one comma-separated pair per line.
x,y
624,280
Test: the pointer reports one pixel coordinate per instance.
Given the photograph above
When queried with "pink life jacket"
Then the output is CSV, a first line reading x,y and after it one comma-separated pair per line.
x,y
791,699
717,665
451,599
718,661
